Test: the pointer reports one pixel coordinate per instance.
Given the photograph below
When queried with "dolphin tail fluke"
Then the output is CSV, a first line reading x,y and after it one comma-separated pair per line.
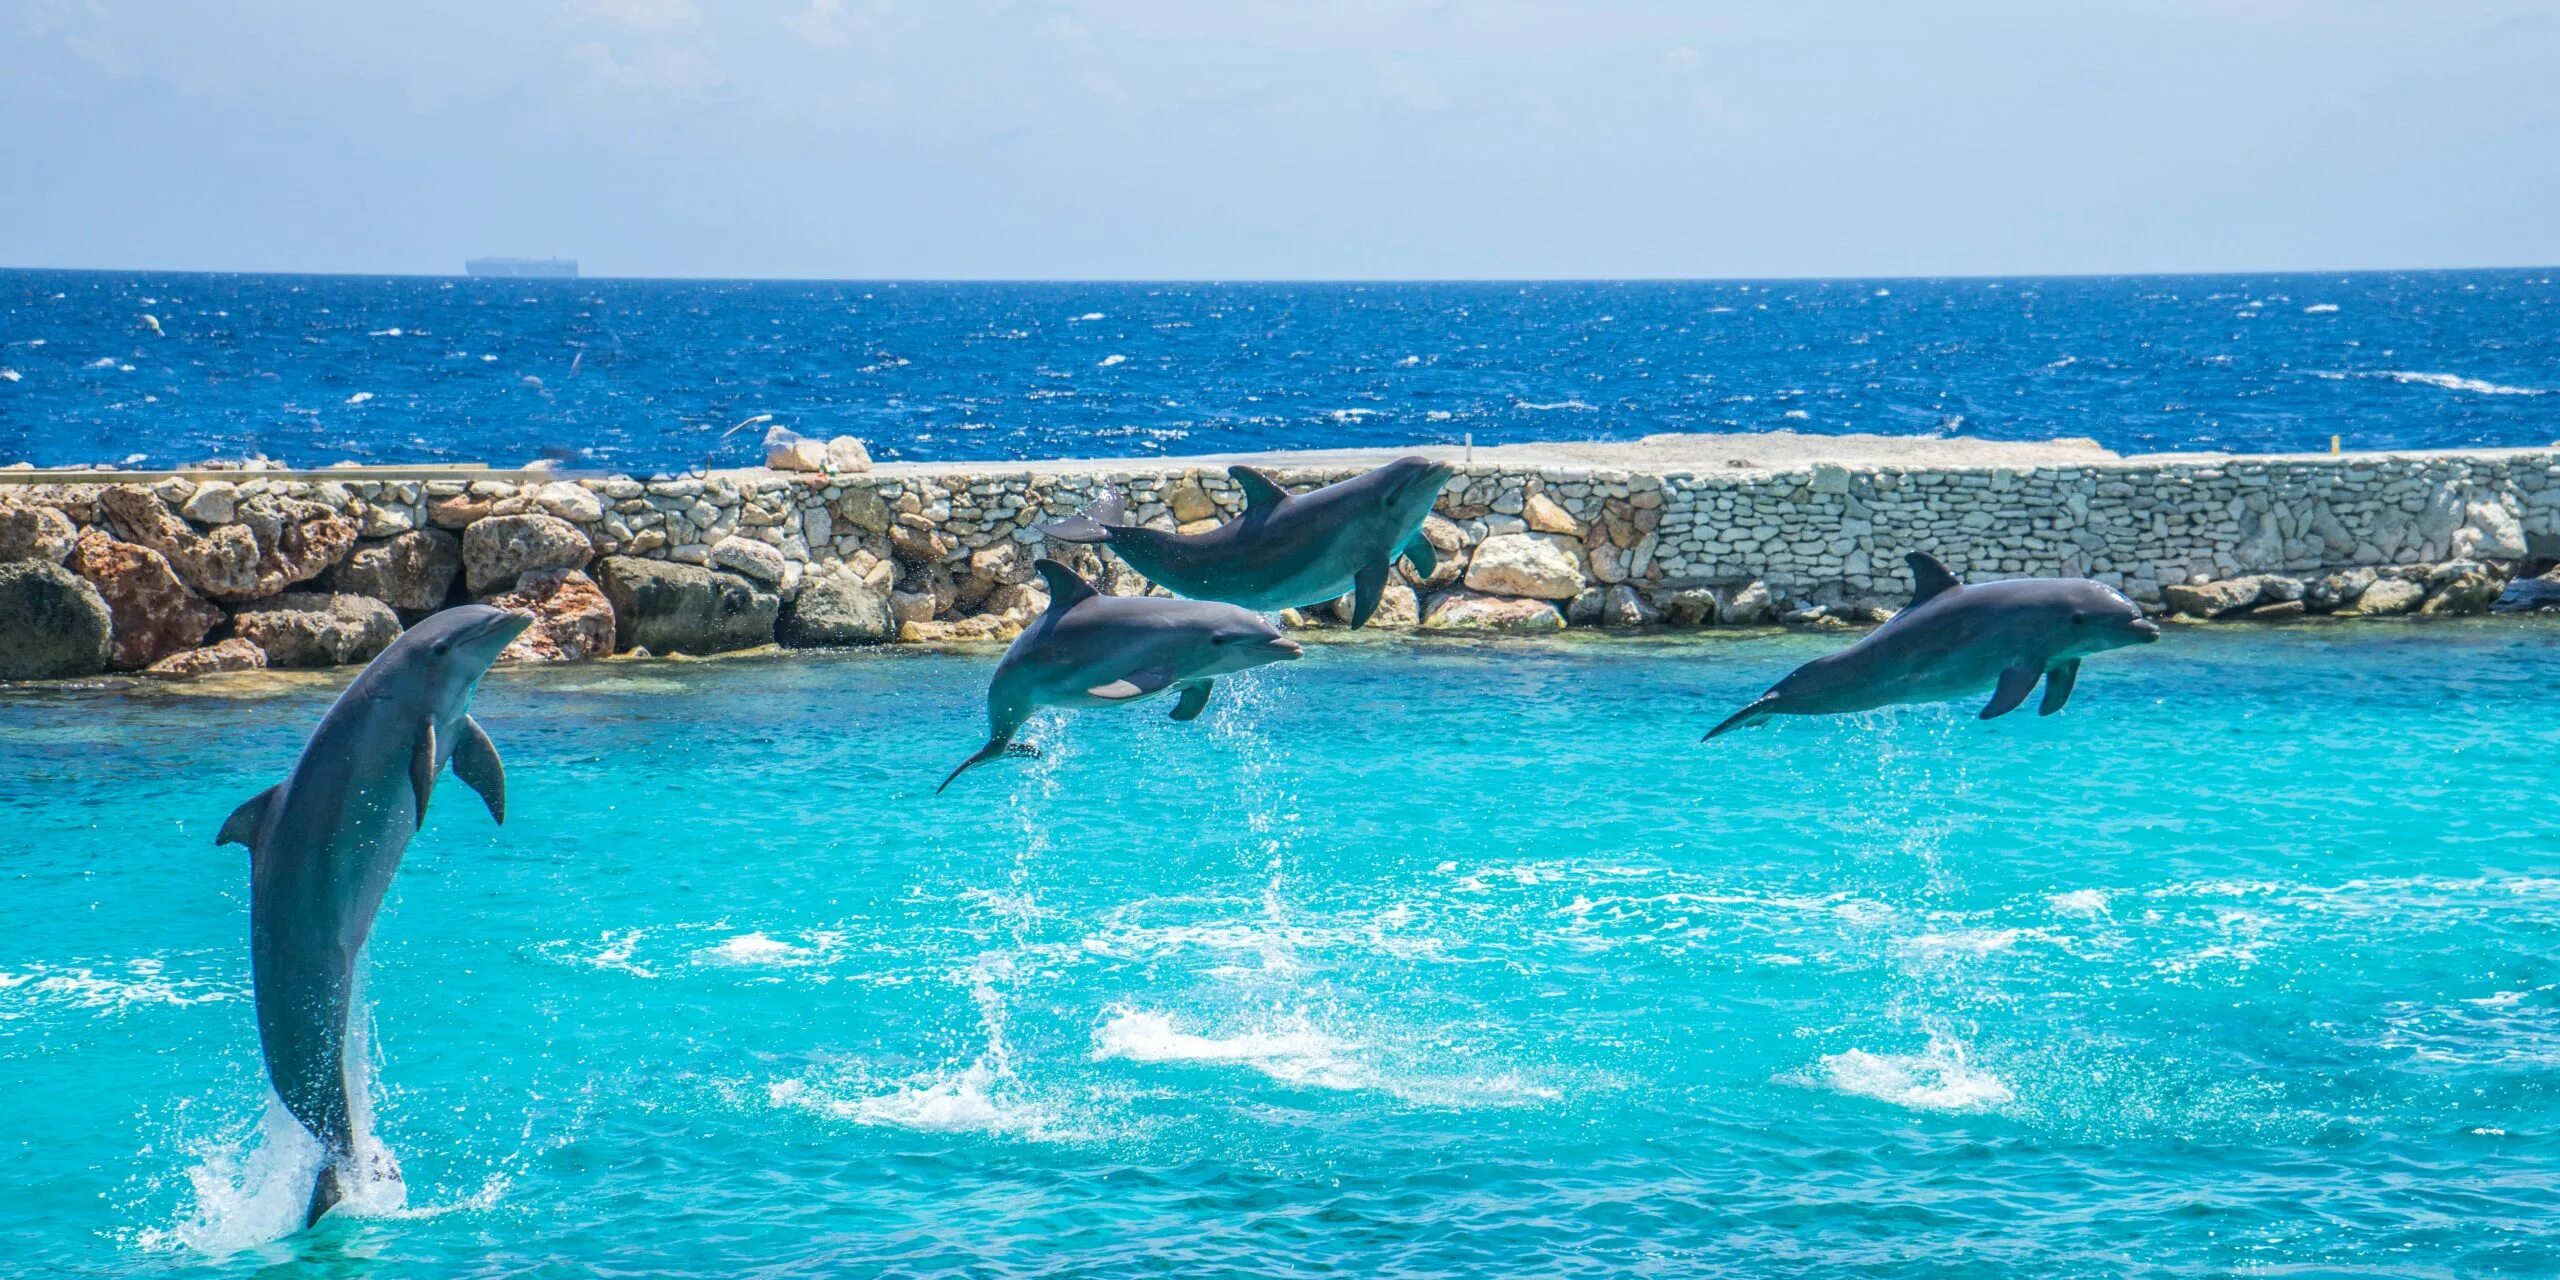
x,y
996,748
325,1193
1759,710
1093,524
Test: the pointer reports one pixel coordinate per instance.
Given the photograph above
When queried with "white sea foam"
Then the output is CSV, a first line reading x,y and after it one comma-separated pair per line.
x,y
103,362
755,948
393,332
1090,315
972,1100
2440,381
2320,309
144,982
1292,1051
1797,415
1110,360
1352,415
1550,406
2078,902
359,397
1940,1078
8,375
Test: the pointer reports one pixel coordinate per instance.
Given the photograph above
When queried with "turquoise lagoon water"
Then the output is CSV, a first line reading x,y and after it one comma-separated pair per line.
x,y
1409,959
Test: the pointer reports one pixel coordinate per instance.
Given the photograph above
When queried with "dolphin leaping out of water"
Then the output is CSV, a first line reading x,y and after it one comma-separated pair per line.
x,y
1091,650
1955,640
1287,551
324,842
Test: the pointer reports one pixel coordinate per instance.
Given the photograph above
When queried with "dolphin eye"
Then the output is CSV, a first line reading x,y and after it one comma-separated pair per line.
x,y
443,647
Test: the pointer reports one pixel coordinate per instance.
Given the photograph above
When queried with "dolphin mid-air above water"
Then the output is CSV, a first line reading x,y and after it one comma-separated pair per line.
x,y
1092,650
324,843
1287,551
1955,640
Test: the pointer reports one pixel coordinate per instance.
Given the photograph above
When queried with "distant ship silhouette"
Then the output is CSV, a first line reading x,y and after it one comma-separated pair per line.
x,y
521,268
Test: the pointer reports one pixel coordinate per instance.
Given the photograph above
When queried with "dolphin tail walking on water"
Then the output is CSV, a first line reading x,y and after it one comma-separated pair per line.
x,y
1954,640
324,843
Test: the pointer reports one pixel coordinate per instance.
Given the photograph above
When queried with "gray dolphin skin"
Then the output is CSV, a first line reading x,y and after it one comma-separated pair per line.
x,y
324,843
1093,650
1956,640
1287,551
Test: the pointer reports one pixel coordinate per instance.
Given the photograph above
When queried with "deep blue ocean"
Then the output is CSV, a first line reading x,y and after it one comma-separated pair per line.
x,y
162,368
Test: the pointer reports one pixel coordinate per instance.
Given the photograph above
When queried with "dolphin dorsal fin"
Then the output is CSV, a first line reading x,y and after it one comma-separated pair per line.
x,y
1260,490
1066,586
1928,577
241,828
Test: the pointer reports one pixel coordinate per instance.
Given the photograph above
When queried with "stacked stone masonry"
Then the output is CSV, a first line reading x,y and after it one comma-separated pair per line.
x,y
218,570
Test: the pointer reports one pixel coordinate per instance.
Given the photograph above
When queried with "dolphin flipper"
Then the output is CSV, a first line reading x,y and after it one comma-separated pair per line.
x,y
1368,588
1757,711
1195,696
423,765
2057,686
1419,551
241,828
2015,684
1136,684
1093,524
1261,492
475,761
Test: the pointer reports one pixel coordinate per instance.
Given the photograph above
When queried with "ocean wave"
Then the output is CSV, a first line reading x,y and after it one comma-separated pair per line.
x,y
2440,381
145,983
359,397
1549,406
1110,360
2321,309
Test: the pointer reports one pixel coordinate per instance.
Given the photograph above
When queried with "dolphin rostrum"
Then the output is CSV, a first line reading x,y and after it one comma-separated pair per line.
x,y
1287,551
1955,640
1092,650
324,842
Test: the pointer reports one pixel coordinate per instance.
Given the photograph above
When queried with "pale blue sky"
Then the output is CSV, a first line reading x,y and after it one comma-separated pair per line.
x,y
1237,139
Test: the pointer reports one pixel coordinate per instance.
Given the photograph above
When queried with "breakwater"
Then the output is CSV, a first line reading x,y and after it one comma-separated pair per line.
x,y
226,568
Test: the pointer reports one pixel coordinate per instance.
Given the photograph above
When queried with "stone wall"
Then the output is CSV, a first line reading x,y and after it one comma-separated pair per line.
x,y
214,570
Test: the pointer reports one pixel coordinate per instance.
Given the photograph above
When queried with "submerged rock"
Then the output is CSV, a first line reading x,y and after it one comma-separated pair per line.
x,y
52,623
153,614
572,619
1464,610
413,572
35,533
1522,564
234,654
666,607
834,609
500,549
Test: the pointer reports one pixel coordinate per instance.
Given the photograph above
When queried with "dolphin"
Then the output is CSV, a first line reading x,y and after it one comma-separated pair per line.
x,y
1093,650
324,842
1287,551
1955,640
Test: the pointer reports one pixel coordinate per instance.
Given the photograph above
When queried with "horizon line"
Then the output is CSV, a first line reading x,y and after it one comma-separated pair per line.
x,y
1950,277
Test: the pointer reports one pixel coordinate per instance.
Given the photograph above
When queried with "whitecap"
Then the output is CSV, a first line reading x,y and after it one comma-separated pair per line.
x,y
1797,415
1110,360
1090,315
1535,406
103,362
8,375
1352,415
359,397
2320,309
757,948
1941,1078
